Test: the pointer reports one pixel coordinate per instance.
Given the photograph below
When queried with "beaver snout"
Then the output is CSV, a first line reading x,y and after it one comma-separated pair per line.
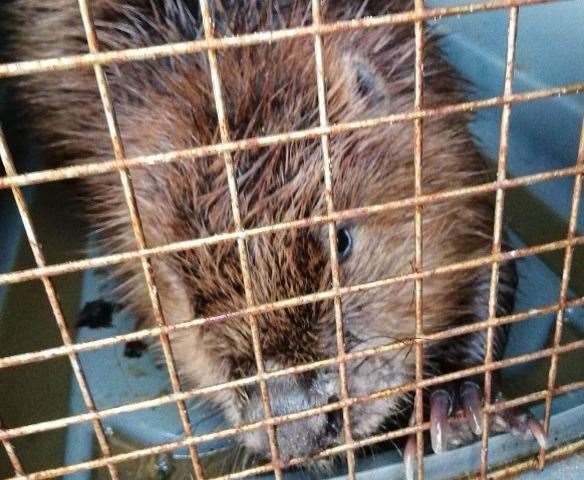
x,y
293,394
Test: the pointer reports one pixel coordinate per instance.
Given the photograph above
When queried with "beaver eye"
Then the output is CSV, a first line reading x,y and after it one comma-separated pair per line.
x,y
344,243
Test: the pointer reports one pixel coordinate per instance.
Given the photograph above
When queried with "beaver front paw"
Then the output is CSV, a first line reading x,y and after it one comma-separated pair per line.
x,y
456,420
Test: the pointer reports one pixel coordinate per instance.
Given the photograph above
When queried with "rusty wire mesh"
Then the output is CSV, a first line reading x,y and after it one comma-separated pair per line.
x,y
317,30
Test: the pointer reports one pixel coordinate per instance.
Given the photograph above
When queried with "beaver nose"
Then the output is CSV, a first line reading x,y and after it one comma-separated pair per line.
x,y
298,437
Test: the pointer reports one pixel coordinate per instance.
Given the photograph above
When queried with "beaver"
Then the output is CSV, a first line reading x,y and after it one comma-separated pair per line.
x,y
168,104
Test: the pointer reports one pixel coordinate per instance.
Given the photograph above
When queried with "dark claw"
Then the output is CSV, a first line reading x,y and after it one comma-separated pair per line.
x,y
470,395
456,420
521,423
440,409
537,431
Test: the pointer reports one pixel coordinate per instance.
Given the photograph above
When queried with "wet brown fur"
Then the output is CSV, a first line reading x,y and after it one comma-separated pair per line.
x,y
167,104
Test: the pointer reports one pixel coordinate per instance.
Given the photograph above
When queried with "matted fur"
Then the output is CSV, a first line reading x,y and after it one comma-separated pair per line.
x,y
168,105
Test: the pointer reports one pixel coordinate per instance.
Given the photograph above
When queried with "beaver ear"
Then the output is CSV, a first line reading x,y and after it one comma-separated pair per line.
x,y
368,85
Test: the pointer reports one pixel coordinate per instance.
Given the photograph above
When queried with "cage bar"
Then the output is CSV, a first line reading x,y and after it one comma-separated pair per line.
x,y
226,147
137,228
241,246
418,238
530,464
167,447
534,397
497,233
112,259
11,453
88,169
155,52
429,382
54,302
564,286
50,353
264,469
191,393
332,237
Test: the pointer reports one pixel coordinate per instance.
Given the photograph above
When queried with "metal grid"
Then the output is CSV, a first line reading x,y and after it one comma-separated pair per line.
x,y
497,231
418,263
317,30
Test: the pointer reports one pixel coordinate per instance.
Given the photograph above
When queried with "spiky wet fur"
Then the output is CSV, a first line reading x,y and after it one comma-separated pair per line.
x,y
168,104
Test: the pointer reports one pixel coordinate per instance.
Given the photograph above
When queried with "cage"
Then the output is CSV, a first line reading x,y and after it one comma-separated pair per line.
x,y
79,402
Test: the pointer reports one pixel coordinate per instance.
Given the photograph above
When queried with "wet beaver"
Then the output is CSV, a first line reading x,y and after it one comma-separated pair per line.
x,y
167,104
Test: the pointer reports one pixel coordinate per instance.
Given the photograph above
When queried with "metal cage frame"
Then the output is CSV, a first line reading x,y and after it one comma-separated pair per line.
x,y
210,44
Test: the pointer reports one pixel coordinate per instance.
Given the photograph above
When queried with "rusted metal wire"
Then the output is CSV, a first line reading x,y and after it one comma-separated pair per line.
x,y
88,169
11,453
51,353
332,236
564,286
418,242
210,44
189,394
173,49
497,233
113,259
534,397
54,302
168,447
241,246
137,228
556,454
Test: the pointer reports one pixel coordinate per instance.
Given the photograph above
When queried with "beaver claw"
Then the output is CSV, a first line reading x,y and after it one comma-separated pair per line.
x,y
456,420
